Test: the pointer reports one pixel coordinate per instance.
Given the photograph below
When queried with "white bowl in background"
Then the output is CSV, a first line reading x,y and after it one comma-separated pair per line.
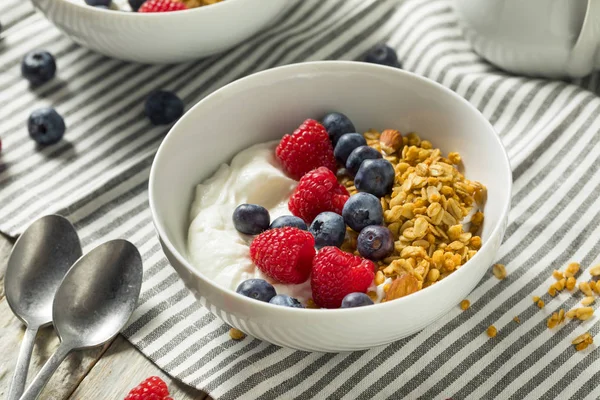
x,y
161,38
263,107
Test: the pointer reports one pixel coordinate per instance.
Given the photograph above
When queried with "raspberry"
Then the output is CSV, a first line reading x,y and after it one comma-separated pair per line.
x,y
285,254
152,388
154,6
306,149
317,191
336,273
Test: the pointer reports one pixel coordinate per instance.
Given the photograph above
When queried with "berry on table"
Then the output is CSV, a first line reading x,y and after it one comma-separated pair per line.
x,y
337,124
98,3
135,4
152,388
375,177
317,191
157,6
346,144
382,54
360,154
307,148
38,67
257,289
46,126
336,274
288,220
284,254
356,299
251,219
362,210
285,301
163,107
329,229
375,242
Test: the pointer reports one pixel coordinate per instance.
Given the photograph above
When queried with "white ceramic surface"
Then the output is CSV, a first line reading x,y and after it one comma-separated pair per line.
x,y
551,38
266,105
160,38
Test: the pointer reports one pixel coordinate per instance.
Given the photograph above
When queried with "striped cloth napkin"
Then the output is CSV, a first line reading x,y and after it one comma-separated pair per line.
x,y
97,176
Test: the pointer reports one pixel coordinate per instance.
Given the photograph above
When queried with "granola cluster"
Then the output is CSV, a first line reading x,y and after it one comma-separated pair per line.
x,y
198,3
432,213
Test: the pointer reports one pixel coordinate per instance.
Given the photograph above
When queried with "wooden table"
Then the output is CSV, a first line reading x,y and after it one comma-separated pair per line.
x,y
106,373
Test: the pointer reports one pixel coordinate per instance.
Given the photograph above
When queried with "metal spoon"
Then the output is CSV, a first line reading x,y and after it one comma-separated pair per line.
x,y
38,262
93,303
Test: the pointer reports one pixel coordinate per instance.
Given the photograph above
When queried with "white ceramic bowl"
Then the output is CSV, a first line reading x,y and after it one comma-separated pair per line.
x,y
266,105
161,37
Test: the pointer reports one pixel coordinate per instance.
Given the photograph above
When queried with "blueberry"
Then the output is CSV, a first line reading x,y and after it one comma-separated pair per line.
x,y
136,4
38,67
46,126
375,177
336,125
163,107
382,54
251,219
359,155
375,242
258,289
286,301
362,210
97,3
288,220
329,229
356,299
346,144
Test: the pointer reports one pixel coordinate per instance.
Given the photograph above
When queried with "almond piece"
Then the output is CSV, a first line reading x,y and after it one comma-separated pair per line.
x,y
390,141
403,285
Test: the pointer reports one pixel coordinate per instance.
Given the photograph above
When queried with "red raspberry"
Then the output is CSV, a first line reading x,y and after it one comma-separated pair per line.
x,y
316,192
154,6
336,273
306,149
152,388
285,254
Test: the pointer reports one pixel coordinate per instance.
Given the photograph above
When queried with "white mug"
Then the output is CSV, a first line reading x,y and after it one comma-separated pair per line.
x,y
551,38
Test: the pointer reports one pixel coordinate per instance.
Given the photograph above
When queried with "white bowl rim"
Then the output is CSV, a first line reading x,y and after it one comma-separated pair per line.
x,y
133,14
324,66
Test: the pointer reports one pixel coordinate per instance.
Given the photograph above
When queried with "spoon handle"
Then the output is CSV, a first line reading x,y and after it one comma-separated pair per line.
x,y
38,383
17,385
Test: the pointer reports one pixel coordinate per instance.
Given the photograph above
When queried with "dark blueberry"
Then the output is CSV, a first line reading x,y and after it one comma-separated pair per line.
x,y
46,126
362,210
375,242
382,54
251,219
38,67
163,107
375,177
346,144
286,301
356,299
359,155
329,229
258,289
97,3
289,220
336,125
136,4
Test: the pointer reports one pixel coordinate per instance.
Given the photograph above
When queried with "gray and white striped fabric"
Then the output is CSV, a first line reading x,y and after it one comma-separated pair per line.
x,y
98,176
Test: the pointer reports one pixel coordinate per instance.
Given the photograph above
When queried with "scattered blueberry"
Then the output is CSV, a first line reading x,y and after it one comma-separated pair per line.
x,y
289,220
38,67
362,210
329,229
336,125
359,155
163,107
346,144
375,242
286,301
251,219
97,3
258,289
375,177
136,4
46,126
356,299
382,54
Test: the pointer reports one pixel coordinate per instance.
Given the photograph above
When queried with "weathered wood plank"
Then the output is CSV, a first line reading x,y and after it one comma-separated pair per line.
x,y
6,244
